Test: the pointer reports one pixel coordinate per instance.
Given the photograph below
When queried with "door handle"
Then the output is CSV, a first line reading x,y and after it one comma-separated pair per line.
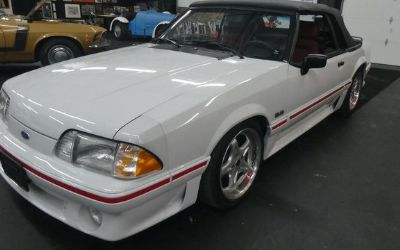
x,y
340,64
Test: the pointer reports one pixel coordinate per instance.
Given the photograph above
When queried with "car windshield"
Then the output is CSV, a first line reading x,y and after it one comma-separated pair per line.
x,y
245,33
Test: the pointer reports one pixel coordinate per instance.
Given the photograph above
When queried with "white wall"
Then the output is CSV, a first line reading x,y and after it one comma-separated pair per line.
x,y
184,3
378,22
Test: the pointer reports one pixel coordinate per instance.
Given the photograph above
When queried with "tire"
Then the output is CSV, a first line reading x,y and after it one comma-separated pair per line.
x,y
120,30
57,50
216,187
353,95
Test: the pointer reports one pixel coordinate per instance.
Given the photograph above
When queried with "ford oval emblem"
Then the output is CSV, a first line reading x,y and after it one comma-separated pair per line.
x,y
25,135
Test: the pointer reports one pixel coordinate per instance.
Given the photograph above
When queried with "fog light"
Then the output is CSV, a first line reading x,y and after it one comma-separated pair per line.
x,y
96,216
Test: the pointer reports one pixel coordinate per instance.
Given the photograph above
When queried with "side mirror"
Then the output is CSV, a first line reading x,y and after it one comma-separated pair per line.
x,y
313,61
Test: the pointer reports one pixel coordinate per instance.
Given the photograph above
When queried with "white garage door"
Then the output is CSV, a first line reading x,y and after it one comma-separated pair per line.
x,y
378,22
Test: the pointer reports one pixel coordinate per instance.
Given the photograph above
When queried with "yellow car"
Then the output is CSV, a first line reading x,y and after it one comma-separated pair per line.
x,y
48,41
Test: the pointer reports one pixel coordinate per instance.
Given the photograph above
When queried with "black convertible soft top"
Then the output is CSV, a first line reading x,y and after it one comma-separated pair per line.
x,y
284,5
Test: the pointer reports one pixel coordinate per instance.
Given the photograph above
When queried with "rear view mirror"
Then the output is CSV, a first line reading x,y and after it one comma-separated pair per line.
x,y
313,61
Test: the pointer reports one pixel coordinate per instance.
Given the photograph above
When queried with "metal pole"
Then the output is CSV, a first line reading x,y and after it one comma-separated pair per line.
x,y
36,8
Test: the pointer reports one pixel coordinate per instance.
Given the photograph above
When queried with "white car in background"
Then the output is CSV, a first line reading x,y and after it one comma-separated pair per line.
x,y
116,142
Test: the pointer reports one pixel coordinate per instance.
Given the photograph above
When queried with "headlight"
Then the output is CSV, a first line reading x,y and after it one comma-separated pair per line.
x,y
4,102
118,159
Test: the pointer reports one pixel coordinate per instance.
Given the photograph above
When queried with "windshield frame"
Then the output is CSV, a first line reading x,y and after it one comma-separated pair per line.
x,y
291,32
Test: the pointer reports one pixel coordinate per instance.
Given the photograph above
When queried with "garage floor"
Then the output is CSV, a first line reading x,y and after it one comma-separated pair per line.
x,y
337,187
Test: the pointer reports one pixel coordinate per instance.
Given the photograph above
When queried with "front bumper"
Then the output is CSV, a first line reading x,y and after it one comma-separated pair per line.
x,y
99,45
103,44
123,214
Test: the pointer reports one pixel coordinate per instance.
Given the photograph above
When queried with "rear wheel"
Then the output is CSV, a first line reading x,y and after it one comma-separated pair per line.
x,y
120,30
57,50
233,166
353,95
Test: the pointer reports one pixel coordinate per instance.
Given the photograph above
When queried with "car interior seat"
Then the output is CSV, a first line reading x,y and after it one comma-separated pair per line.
x,y
307,42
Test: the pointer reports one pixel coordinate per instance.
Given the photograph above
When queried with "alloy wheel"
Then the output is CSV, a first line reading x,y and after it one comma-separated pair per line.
x,y
240,164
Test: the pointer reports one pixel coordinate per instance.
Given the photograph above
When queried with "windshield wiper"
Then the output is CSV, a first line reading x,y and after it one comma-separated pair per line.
x,y
209,44
164,39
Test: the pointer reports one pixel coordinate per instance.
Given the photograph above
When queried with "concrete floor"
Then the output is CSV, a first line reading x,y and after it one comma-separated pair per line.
x,y
336,187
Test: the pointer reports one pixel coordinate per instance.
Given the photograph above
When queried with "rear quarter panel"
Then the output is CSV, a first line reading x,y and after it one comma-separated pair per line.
x,y
361,57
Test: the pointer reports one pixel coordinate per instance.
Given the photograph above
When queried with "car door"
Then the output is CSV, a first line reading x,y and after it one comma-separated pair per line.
x,y
317,88
15,34
139,24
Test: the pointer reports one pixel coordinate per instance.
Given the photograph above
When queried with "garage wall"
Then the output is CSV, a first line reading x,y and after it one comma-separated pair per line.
x,y
184,3
378,22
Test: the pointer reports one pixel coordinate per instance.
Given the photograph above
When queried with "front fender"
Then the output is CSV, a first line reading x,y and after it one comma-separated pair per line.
x,y
234,118
58,35
119,19
155,28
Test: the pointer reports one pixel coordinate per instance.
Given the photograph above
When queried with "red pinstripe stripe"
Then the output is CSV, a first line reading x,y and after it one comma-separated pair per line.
x,y
280,124
95,197
189,170
315,103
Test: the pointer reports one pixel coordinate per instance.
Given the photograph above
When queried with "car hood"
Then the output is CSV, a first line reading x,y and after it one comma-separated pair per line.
x,y
57,25
101,93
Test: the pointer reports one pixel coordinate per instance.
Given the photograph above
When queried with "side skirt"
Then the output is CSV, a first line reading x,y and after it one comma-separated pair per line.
x,y
300,128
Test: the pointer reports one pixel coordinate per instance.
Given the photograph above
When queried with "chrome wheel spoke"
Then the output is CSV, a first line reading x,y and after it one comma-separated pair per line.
x,y
230,159
235,150
232,180
240,181
227,166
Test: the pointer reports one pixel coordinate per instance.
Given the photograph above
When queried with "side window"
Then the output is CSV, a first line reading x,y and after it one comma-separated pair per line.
x,y
315,37
339,34
268,37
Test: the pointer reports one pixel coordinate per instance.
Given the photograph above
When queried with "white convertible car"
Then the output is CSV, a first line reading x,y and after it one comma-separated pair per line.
x,y
116,142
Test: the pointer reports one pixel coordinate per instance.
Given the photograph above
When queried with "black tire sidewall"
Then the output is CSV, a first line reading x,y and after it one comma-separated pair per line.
x,y
57,41
210,189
